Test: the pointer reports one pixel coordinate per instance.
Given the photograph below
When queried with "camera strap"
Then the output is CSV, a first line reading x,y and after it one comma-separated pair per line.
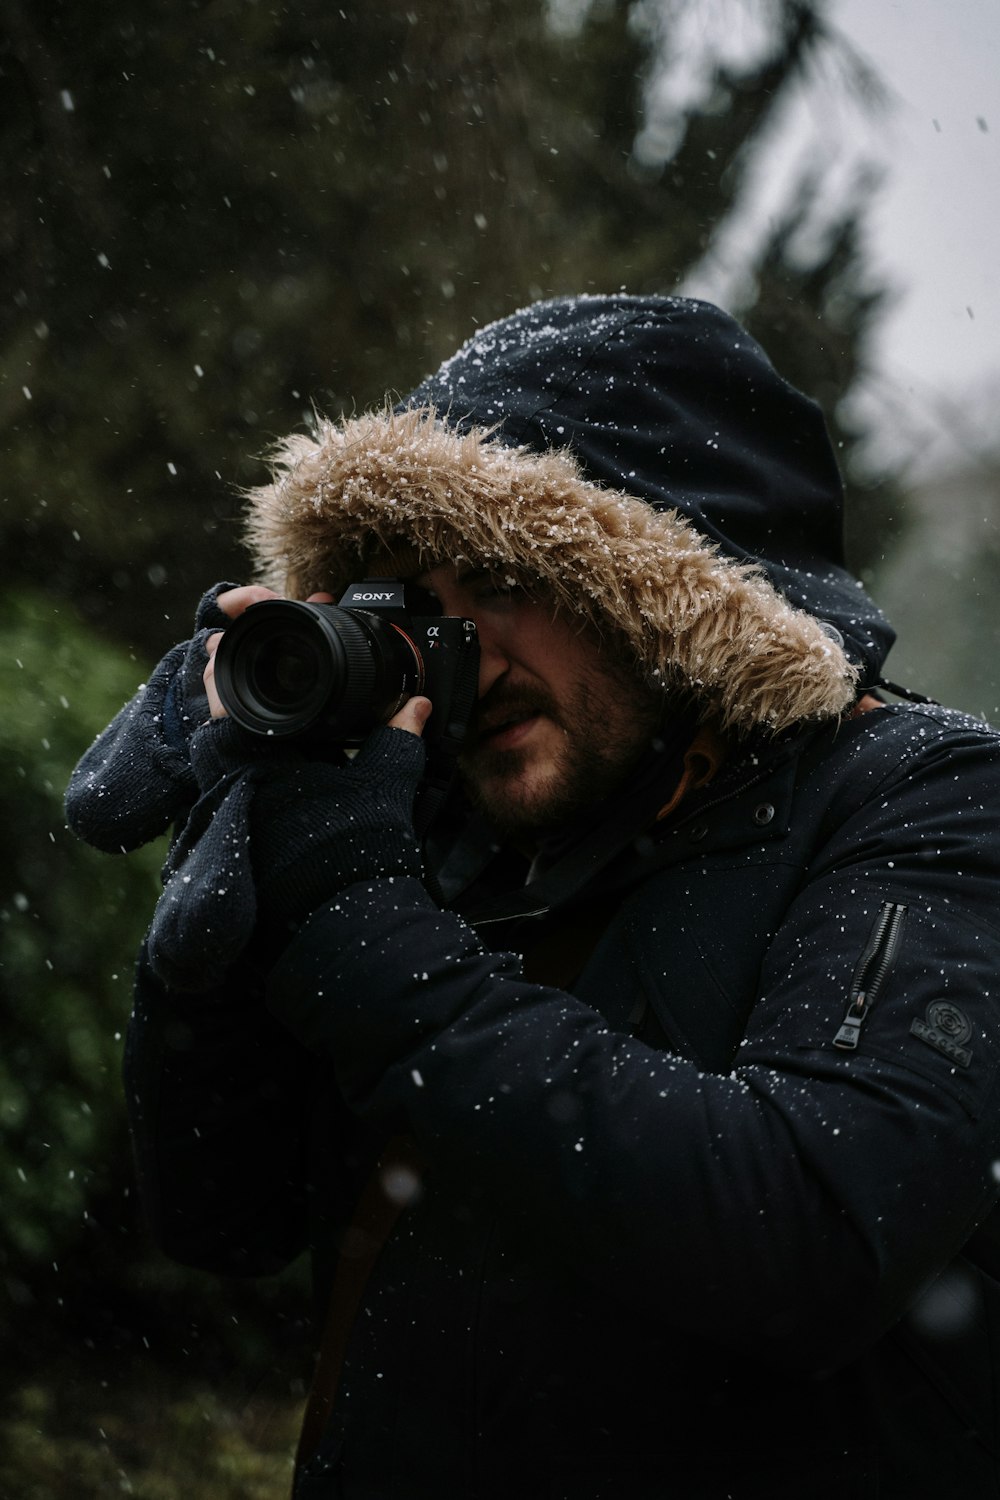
x,y
438,780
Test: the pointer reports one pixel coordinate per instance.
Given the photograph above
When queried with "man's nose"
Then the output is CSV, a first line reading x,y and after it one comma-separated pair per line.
x,y
493,661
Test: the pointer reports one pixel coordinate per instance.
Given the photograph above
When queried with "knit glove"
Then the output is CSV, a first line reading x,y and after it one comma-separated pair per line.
x,y
137,776
274,837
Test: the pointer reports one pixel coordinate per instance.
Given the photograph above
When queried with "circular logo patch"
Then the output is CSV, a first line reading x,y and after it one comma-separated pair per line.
x,y
949,1020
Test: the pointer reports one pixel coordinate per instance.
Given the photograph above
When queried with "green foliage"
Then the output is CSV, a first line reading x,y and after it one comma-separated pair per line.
x,y
70,922
137,1439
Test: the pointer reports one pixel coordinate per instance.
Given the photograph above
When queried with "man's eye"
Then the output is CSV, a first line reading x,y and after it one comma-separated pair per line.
x,y
497,590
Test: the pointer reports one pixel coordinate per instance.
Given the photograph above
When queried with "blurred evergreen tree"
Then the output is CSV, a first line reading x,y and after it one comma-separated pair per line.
x,y
814,308
73,1253
70,923
219,213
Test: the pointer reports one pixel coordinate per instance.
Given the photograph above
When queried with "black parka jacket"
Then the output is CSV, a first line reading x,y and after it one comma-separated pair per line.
x,y
710,1217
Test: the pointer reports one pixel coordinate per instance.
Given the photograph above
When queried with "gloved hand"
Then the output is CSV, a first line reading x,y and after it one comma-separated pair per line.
x,y
277,835
137,776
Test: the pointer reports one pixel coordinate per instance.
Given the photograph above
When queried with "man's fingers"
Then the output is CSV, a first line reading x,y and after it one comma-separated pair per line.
x,y
234,601
412,716
214,702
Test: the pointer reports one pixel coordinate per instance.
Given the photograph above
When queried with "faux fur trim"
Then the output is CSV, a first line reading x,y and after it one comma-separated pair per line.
x,y
408,485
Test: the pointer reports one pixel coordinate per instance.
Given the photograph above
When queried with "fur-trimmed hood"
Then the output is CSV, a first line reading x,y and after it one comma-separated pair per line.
x,y
641,460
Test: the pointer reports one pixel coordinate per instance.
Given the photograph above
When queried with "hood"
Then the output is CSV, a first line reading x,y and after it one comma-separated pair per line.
x,y
642,461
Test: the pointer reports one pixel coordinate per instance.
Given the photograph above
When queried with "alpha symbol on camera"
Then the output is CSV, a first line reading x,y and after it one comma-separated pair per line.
x,y
946,1029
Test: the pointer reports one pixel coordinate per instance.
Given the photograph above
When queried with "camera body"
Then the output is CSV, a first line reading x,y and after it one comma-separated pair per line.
x,y
334,672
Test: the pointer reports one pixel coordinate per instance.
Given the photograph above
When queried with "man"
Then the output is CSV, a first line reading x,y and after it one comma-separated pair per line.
x,y
653,1154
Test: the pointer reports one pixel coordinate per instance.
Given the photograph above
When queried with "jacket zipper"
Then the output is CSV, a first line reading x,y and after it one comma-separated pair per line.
x,y
874,968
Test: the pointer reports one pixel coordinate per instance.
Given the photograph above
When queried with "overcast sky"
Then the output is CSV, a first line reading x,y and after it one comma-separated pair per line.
x,y
937,220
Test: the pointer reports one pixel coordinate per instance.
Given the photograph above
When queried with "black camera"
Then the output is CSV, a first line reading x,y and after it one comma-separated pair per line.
x,y
335,672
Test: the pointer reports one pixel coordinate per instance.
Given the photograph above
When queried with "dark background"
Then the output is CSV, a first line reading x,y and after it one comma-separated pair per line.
x,y
217,217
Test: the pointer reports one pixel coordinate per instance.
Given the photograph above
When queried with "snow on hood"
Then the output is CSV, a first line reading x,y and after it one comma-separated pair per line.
x,y
641,459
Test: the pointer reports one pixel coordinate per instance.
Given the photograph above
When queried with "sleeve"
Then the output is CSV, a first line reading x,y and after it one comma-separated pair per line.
x,y
792,1208
217,1103
272,837
136,778
220,1095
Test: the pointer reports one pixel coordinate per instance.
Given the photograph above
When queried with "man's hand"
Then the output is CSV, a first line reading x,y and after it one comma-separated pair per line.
x,y
412,716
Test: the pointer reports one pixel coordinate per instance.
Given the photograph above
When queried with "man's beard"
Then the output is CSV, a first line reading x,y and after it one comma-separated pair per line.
x,y
607,724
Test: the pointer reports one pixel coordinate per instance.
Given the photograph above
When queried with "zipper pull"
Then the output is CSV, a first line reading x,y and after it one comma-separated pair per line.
x,y
850,1028
872,973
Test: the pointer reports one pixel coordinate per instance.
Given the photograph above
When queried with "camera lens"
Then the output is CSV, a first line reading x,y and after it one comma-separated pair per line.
x,y
285,668
284,671
277,668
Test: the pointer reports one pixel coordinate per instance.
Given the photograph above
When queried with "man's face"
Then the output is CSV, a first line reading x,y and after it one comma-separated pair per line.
x,y
560,722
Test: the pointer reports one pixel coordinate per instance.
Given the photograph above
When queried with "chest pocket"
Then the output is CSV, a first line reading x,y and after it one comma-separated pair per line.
x,y
680,963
